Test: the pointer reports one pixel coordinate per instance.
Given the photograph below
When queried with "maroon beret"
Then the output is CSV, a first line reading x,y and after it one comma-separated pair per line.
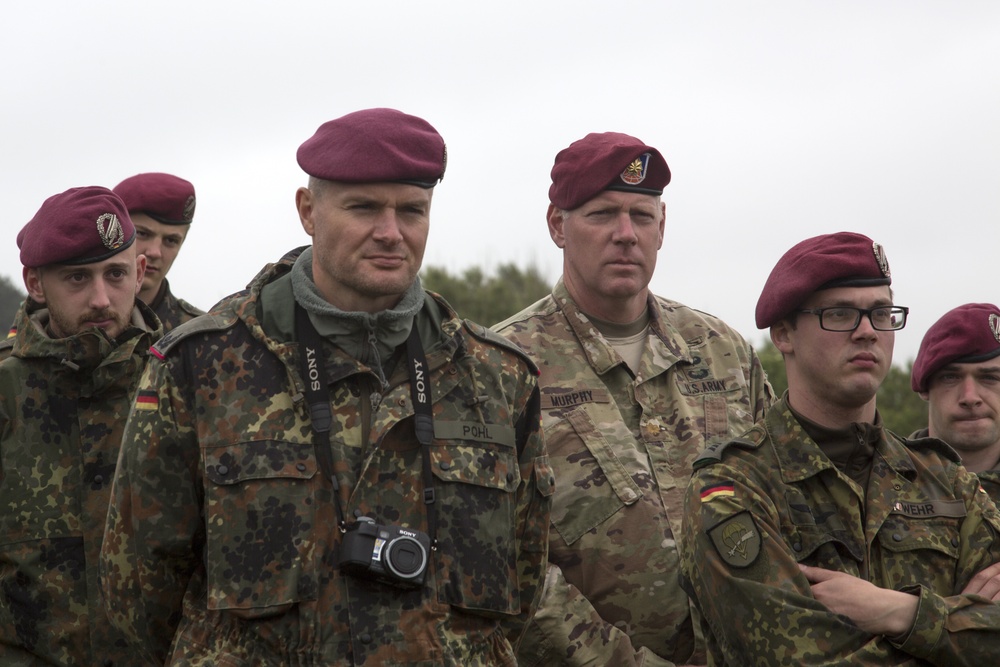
x,y
965,335
606,161
163,197
79,226
375,146
844,259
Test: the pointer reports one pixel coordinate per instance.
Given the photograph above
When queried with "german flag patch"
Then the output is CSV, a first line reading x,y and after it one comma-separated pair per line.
x,y
713,491
147,400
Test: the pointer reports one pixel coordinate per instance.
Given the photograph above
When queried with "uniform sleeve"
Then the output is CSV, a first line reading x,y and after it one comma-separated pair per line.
x,y
533,505
568,630
961,629
756,604
153,535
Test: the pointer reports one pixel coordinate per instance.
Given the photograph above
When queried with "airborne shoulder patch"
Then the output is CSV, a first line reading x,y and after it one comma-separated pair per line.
x,y
737,540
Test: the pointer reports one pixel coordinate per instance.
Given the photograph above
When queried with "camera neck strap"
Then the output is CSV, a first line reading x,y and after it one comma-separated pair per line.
x,y
313,367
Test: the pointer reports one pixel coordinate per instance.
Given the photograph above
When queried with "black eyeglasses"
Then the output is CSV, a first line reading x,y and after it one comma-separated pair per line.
x,y
846,318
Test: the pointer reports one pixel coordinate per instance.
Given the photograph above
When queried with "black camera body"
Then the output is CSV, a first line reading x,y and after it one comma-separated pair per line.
x,y
389,554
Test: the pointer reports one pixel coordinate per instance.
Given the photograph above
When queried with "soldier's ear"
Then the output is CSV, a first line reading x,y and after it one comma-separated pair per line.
x,y
33,283
304,203
780,336
556,218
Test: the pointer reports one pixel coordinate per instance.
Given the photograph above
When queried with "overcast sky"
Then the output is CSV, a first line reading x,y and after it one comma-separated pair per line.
x,y
780,120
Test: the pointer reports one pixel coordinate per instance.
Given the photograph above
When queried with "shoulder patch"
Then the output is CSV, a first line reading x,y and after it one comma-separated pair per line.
x,y
200,324
737,540
714,452
934,445
492,337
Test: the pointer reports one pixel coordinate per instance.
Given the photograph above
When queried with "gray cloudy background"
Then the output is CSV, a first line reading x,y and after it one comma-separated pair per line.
x,y
780,120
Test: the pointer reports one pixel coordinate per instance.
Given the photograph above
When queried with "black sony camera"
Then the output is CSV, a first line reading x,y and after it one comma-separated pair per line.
x,y
389,554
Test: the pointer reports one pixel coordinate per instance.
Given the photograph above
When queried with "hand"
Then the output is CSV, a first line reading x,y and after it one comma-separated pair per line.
x,y
986,584
875,610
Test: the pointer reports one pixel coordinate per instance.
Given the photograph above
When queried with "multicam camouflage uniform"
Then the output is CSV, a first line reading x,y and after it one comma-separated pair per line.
x,y
762,504
223,530
172,311
63,404
990,479
622,450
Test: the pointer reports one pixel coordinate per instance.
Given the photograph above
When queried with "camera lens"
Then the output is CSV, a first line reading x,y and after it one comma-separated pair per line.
x,y
405,557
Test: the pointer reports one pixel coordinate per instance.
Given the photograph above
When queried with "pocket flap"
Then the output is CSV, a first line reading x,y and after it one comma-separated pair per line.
x,y
260,459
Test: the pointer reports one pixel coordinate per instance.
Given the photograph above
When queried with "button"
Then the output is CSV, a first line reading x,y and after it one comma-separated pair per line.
x,y
444,465
357,513
896,537
366,638
223,470
98,479
552,481
955,542
301,467
510,477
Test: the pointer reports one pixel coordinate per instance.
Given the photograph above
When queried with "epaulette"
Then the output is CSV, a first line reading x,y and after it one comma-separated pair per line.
x,y
492,337
712,454
200,324
932,445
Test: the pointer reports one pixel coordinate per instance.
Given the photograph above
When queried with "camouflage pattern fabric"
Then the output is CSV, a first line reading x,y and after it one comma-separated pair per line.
x,y
172,311
222,539
622,450
990,479
63,405
762,504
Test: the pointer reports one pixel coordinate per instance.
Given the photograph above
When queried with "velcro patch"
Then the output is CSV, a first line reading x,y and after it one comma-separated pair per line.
x,y
737,540
930,508
495,433
713,491
562,398
147,400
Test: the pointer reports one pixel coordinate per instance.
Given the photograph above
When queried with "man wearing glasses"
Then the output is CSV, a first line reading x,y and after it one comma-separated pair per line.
x,y
837,541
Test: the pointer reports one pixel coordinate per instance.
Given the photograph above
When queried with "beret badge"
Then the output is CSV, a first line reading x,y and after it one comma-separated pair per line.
x,y
883,261
110,230
635,172
189,209
995,325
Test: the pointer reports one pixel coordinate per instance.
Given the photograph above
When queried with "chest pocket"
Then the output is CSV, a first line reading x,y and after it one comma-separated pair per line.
x,y
923,549
592,481
475,485
713,403
260,526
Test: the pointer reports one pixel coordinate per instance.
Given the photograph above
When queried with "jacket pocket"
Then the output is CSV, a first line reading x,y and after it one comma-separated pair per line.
x,y
591,482
259,518
476,499
926,550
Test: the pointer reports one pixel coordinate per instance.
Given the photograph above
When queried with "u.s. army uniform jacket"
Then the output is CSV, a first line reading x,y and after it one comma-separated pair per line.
x,y
622,449
63,404
223,531
771,500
